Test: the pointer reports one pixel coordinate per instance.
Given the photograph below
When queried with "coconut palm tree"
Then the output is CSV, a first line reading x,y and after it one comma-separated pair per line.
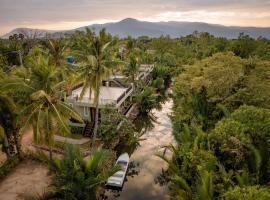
x,y
57,49
4,142
79,178
39,91
130,44
9,126
97,65
132,68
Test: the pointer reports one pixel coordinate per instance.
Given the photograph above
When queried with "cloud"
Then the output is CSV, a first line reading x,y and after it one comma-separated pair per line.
x,y
65,14
215,17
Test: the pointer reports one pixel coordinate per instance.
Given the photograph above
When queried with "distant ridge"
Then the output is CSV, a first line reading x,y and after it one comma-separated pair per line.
x,y
136,28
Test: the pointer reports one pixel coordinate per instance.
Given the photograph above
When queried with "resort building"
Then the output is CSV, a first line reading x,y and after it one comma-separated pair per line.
x,y
115,93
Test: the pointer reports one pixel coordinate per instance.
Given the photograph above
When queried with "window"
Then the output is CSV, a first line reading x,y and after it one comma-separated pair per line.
x,y
86,111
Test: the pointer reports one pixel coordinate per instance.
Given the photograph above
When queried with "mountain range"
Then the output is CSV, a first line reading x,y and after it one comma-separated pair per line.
x,y
136,28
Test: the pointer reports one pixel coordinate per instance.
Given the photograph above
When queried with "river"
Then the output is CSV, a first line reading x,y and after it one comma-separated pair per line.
x,y
145,167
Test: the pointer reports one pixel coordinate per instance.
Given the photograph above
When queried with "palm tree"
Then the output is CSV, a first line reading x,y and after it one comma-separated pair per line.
x,y
130,44
4,142
97,65
179,187
147,100
39,90
8,124
132,68
56,50
79,178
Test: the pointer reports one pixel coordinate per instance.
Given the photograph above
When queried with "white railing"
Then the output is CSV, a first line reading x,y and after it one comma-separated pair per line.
x,y
86,100
91,101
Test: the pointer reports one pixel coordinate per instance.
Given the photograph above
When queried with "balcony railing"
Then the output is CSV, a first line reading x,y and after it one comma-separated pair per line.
x,y
124,94
91,101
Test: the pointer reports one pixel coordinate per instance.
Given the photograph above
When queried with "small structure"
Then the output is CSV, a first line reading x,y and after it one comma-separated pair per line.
x,y
70,59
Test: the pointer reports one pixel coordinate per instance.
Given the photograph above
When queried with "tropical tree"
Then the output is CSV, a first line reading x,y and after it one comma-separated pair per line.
x,y
115,128
221,126
97,65
38,90
9,126
79,178
132,68
57,49
147,100
244,46
130,45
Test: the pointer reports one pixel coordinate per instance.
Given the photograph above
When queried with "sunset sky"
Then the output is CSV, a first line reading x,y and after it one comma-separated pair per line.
x,y
68,14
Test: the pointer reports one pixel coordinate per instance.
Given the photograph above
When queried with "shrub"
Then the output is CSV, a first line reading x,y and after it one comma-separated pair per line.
x,y
247,193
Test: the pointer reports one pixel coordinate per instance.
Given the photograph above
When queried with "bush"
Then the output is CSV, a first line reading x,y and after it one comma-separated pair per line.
x,y
247,193
147,100
76,130
39,156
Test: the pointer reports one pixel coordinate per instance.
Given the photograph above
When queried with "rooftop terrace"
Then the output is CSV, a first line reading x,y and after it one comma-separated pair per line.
x,y
108,95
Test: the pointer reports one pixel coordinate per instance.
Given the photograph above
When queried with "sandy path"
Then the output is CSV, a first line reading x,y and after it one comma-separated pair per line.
x,y
29,177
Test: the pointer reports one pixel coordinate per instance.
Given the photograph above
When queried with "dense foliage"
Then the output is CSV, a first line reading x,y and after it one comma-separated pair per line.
x,y
79,178
221,124
221,93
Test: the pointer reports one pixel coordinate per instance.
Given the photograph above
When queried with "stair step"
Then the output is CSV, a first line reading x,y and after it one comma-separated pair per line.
x,y
88,130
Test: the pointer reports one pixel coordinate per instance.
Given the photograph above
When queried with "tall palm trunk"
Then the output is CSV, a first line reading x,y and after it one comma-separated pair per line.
x,y
17,141
96,119
6,146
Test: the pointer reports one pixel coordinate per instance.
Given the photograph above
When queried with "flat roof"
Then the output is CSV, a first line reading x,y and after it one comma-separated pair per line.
x,y
106,93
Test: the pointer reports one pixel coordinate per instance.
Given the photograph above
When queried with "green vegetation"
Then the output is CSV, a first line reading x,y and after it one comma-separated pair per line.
x,y
97,64
78,178
75,177
115,127
221,93
221,124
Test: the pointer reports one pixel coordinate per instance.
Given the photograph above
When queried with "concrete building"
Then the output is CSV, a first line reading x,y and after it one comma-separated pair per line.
x,y
115,93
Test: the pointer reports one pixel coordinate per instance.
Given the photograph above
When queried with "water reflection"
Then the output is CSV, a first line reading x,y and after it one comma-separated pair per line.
x,y
144,123
133,170
146,178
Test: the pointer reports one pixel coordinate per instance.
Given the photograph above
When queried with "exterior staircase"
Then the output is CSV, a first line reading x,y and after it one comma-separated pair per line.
x,y
88,129
119,83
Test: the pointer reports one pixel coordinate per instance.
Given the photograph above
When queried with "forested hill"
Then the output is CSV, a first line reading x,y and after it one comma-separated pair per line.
x,y
136,28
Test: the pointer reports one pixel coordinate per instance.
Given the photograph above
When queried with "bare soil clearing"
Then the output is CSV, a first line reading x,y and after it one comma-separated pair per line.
x,y
29,177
